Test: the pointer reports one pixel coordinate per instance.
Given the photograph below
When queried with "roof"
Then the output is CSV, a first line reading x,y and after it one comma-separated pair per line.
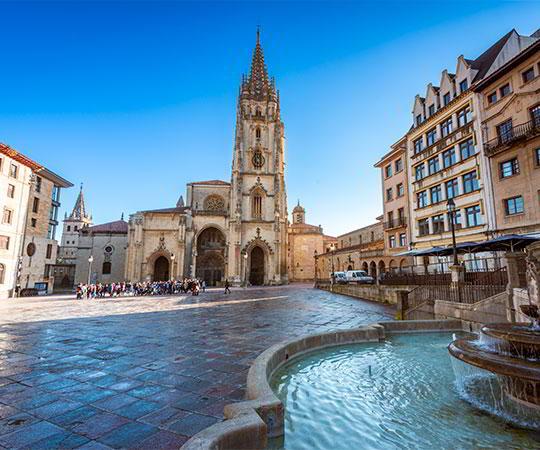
x,y
19,157
211,182
55,178
118,226
79,209
176,209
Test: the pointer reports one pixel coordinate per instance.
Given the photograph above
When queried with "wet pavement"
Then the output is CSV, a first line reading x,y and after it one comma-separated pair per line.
x,y
145,372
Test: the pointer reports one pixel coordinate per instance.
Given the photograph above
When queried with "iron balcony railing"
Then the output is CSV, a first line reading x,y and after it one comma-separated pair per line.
x,y
395,223
525,130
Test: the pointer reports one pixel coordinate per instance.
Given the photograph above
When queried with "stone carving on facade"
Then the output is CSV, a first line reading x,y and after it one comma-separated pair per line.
x,y
258,240
214,202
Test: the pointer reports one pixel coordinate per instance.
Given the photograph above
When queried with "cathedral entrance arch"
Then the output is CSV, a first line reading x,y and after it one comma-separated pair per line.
x,y
256,270
161,269
211,246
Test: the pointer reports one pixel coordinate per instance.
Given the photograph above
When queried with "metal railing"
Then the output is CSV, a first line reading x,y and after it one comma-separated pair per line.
x,y
395,223
522,131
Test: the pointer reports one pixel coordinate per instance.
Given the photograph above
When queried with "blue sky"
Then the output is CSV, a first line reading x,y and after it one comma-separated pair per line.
x,y
136,99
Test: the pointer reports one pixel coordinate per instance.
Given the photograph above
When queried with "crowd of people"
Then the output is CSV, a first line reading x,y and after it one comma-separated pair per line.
x,y
123,289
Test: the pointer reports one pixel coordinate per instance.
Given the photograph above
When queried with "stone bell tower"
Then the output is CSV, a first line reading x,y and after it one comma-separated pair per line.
x,y
258,200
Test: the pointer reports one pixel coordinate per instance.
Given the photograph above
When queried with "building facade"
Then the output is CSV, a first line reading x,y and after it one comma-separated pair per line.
x,y
233,230
509,99
28,243
395,191
305,243
101,253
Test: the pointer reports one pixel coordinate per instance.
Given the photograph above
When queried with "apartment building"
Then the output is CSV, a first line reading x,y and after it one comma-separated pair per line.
x,y
29,218
395,184
445,153
509,99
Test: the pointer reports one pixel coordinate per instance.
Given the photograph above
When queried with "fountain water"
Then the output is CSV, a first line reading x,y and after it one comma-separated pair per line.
x,y
501,373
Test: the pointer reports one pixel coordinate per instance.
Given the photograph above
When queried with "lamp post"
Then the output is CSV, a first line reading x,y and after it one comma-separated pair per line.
x,y
451,207
90,261
315,259
245,256
172,266
332,250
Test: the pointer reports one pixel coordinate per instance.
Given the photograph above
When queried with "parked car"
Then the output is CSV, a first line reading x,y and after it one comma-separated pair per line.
x,y
358,276
339,277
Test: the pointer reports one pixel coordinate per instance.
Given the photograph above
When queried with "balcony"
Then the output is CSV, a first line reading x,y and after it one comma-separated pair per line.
x,y
395,223
517,133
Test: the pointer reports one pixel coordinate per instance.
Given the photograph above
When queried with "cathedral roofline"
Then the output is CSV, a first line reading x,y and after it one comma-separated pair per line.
x,y
210,182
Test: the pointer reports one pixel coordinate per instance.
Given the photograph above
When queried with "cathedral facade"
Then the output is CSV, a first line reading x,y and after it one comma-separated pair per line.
x,y
233,230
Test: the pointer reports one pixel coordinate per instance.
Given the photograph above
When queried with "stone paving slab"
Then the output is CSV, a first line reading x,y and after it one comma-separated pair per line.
x,y
145,372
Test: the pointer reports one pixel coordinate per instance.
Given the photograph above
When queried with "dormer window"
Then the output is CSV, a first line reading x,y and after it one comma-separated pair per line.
x,y
418,119
463,86
505,90
446,98
431,110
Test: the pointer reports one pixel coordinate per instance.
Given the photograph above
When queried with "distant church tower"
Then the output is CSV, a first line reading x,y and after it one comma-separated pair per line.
x,y
299,214
258,206
78,219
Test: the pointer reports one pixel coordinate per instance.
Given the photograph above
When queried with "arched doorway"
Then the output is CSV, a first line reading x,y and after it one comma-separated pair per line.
x,y
382,267
365,267
161,269
256,269
211,256
373,269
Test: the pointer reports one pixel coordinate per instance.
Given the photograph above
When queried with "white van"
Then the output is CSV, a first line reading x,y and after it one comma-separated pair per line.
x,y
339,277
358,276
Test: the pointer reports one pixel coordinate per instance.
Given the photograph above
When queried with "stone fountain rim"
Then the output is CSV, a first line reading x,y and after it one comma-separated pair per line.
x,y
513,332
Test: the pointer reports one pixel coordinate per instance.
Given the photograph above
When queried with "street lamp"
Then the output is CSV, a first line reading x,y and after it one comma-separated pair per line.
x,y
172,265
451,207
332,250
90,261
245,256
315,254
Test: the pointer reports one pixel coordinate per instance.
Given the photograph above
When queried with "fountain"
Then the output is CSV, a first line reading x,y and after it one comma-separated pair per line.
x,y
501,373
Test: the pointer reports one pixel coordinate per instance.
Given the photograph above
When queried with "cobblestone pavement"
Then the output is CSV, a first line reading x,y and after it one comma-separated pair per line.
x,y
145,372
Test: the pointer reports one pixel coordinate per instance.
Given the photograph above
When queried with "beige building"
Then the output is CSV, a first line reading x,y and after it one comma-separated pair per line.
x,y
305,243
509,96
101,253
237,230
28,243
395,190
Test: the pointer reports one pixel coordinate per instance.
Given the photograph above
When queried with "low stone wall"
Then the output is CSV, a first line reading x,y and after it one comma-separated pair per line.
x,y
520,297
249,424
490,310
373,292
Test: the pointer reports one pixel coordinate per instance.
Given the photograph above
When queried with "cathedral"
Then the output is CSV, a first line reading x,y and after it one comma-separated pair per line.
x,y
233,230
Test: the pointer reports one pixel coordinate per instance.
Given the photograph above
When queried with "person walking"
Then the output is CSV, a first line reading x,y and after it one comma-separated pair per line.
x,y
203,286
227,286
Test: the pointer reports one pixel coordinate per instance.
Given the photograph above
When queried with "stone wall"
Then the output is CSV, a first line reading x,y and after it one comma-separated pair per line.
x,y
373,292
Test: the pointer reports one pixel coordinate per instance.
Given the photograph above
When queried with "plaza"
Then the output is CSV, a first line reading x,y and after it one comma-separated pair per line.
x,y
146,372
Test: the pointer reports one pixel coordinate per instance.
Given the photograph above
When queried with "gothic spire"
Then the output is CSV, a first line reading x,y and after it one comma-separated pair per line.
x,y
79,210
257,85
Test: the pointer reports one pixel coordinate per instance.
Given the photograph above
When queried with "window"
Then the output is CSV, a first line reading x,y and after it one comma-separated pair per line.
x,y
2,273
35,205
401,215
463,86
398,165
470,182
466,149
535,115
418,119
433,165
402,240
421,199
69,228
258,133
446,127
419,171
449,157
438,224
435,193
256,206
13,169
473,216
56,194
7,217
509,168
464,116
452,188
388,171
423,227
400,190
528,75
492,98
4,242
106,268
51,231
505,90
457,219
418,145
504,131
390,217
514,205
389,194
75,228
48,254
392,241
33,222
431,136
431,110
537,156
446,98
11,191
38,184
